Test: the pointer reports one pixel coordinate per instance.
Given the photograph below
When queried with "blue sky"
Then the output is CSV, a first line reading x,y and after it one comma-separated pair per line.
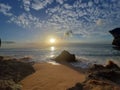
x,y
68,20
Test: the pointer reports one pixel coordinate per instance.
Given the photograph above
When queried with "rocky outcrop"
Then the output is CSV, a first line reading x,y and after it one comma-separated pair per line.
x,y
0,42
109,72
101,77
13,71
78,86
116,34
65,56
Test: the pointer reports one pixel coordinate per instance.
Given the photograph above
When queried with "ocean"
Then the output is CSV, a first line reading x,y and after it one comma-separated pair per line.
x,y
86,53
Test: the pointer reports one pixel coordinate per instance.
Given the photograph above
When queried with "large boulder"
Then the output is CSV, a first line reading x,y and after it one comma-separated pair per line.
x,y
116,34
65,56
0,42
13,71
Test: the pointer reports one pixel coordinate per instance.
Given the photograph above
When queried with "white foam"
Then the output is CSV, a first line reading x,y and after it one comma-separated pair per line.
x,y
53,63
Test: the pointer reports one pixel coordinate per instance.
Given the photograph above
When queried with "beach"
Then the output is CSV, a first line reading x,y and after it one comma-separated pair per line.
x,y
61,75
57,74
50,76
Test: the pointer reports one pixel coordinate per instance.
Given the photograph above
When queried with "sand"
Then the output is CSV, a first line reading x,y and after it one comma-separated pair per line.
x,y
50,76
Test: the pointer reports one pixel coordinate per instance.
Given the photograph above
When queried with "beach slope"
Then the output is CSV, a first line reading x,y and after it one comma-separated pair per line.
x,y
52,77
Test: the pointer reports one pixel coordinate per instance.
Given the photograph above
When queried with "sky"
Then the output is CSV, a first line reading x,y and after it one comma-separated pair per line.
x,y
66,20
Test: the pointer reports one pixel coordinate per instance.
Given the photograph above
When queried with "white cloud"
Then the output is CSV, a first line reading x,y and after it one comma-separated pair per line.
x,y
39,4
96,1
5,9
83,18
25,20
60,1
26,4
67,6
90,3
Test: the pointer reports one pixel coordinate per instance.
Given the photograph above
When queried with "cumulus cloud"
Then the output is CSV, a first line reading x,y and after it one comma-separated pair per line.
x,y
35,4
25,20
39,4
60,1
5,9
82,18
26,4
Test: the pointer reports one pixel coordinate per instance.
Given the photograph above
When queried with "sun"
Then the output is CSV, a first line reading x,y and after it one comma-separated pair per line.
x,y
52,40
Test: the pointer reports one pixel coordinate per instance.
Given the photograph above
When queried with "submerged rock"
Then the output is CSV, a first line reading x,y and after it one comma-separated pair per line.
x,y
65,56
116,34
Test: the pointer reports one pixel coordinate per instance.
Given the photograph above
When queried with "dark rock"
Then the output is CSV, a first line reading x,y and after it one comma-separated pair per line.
x,y
0,42
101,77
9,85
112,65
116,34
26,59
78,86
1,58
65,56
110,72
96,67
13,71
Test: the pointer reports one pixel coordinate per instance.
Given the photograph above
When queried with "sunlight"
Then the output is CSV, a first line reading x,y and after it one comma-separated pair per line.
x,y
52,40
52,48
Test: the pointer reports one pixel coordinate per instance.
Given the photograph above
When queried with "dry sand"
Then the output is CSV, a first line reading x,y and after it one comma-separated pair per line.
x,y
52,77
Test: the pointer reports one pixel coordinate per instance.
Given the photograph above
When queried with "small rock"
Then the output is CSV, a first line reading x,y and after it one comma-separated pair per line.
x,y
112,65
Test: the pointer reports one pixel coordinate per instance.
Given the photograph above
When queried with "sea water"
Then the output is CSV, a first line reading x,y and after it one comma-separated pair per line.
x,y
88,53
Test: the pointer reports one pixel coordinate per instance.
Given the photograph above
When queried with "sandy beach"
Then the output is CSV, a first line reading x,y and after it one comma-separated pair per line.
x,y
52,77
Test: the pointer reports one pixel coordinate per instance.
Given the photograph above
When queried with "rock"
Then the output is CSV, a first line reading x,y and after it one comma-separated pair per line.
x,y
27,59
9,85
13,71
101,77
1,58
111,65
110,72
96,67
65,56
78,86
0,42
116,34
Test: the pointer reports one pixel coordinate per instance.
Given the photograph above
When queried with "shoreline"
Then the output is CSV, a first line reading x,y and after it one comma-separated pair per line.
x,y
62,75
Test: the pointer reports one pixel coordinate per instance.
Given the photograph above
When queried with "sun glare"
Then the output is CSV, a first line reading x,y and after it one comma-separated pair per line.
x,y
52,40
52,48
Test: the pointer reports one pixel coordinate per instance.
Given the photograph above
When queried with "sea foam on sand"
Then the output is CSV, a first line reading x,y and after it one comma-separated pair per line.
x,y
53,63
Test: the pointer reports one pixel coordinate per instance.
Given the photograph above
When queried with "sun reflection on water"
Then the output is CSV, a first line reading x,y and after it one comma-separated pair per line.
x,y
52,53
52,48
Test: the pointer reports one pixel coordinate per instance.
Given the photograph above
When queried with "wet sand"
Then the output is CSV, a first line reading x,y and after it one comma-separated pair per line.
x,y
50,76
